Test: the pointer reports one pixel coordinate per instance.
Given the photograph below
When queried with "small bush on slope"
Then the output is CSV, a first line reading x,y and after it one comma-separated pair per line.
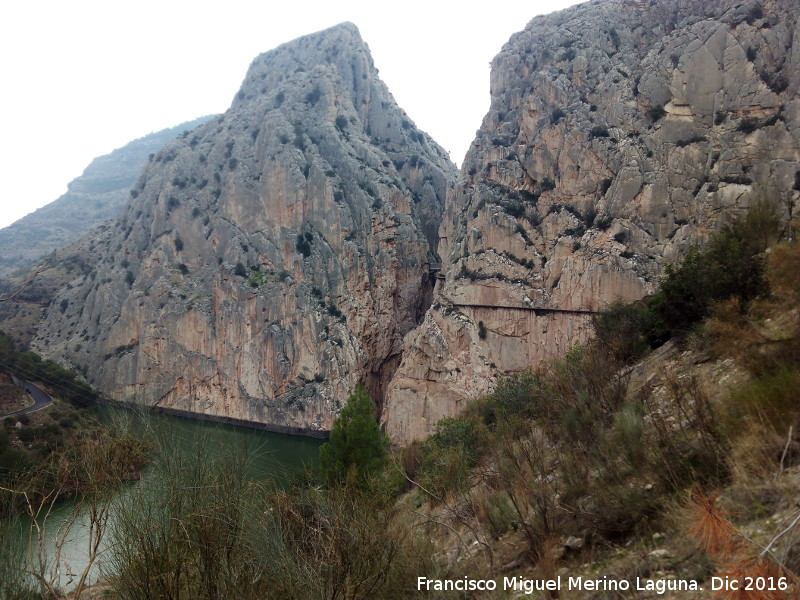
x,y
357,448
730,266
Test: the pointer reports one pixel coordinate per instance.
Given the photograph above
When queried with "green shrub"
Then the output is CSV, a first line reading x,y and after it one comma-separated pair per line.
x,y
770,398
26,434
515,209
604,223
729,266
695,139
575,231
313,96
500,514
656,112
444,470
357,448
334,311
465,433
4,440
761,227
737,179
748,125
303,246
622,330
518,394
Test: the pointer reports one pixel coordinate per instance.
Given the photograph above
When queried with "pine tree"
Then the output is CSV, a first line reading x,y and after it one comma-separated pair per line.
x,y
357,447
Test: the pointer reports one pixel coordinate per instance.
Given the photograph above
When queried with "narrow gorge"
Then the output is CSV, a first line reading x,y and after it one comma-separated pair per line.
x,y
313,237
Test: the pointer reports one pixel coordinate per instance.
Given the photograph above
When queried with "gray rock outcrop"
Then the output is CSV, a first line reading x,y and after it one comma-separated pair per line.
x,y
620,132
271,259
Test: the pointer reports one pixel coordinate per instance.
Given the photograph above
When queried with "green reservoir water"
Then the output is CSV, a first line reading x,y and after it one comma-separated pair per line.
x,y
273,457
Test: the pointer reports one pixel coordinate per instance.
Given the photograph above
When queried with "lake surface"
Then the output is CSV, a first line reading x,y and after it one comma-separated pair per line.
x,y
273,457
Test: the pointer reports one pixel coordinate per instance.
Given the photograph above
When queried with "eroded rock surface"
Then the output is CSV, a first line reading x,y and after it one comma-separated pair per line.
x,y
271,258
620,133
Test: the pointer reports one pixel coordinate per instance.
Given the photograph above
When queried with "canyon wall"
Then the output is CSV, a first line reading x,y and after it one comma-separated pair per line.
x,y
620,133
312,237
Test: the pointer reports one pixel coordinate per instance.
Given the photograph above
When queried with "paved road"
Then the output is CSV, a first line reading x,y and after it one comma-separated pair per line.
x,y
40,400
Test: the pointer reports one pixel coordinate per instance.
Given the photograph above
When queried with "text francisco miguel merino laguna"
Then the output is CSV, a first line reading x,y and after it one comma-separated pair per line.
x,y
659,586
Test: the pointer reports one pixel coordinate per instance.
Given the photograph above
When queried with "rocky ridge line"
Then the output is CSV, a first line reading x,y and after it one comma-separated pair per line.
x,y
98,195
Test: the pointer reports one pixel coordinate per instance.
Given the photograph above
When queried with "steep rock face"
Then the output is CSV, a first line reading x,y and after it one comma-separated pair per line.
x,y
98,195
272,258
620,132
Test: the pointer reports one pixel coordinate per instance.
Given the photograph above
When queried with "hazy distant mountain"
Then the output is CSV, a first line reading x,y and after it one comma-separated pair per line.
x,y
96,196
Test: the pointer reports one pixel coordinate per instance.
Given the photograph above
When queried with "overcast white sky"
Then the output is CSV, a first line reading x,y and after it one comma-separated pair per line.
x,y
83,77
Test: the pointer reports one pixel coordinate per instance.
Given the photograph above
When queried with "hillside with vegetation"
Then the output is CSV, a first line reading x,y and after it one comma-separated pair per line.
x,y
577,357
665,449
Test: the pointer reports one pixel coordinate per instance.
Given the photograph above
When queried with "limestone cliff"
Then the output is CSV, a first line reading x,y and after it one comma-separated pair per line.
x,y
619,133
98,195
271,258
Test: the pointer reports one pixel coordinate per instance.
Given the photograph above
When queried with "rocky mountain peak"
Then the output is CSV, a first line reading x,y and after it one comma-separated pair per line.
x,y
272,258
305,64
98,195
340,47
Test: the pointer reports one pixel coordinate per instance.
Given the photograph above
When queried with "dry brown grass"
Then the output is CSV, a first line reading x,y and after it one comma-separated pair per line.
x,y
740,559
768,336
713,530
783,272
754,453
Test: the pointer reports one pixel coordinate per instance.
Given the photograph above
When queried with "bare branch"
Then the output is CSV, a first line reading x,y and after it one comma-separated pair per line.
x,y
22,288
